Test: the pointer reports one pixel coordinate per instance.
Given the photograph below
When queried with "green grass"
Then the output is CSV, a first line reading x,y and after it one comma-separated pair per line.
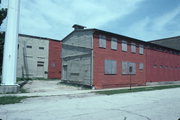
x,y
111,92
11,99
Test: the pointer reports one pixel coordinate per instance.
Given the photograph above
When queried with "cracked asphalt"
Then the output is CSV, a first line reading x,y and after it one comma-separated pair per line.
x,y
149,105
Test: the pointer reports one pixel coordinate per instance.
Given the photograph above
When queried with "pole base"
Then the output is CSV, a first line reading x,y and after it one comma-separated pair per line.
x,y
4,89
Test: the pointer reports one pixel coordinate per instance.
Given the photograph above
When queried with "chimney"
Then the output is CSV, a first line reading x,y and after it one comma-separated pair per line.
x,y
78,27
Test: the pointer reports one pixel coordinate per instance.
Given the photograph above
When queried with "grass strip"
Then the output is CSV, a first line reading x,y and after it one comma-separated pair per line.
x,y
11,99
118,91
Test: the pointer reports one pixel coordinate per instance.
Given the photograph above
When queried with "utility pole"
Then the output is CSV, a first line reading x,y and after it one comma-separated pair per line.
x,y
10,48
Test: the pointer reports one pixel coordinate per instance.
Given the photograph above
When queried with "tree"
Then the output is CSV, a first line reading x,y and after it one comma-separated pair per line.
x,y
3,14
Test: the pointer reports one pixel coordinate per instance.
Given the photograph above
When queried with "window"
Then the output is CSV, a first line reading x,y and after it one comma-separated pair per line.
x,y
114,43
141,49
41,48
141,66
40,63
154,66
102,41
28,46
126,68
133,47
110,66
124,45
161,66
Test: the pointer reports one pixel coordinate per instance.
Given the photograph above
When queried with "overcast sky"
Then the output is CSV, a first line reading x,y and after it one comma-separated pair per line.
x,y
141,19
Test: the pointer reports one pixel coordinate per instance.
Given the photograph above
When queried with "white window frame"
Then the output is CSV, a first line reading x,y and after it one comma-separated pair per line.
x,y
102,41
124,45
114,43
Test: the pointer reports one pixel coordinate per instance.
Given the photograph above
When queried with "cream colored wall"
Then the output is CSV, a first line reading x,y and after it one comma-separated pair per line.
x,y
32,56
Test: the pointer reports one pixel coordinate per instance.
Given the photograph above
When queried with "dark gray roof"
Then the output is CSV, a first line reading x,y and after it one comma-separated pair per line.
x,y
172,42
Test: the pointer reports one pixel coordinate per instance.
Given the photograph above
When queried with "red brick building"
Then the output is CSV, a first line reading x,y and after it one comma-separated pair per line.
x,y
103,59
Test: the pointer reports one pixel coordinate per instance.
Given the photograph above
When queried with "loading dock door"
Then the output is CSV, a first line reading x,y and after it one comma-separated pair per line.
x,y
40,69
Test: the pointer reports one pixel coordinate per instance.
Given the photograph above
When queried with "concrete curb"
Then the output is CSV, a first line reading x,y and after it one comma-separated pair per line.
x,y
64,93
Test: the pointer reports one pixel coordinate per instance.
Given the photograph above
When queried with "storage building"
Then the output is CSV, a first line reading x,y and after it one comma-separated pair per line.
x,y
103,59
38,57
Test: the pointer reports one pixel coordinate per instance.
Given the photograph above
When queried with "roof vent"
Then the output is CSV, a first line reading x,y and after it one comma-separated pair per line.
x,y
78,27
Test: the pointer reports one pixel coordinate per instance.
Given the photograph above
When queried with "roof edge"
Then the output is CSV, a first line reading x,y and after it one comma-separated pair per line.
x,y
32,36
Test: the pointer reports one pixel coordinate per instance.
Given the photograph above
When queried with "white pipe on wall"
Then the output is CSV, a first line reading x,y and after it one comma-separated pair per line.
x,y
11,43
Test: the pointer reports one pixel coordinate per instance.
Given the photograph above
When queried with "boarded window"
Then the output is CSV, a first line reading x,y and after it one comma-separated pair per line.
x,y
110,67
114,43
141,66
102,41
141,49
133,47
124,45
75,66
126,68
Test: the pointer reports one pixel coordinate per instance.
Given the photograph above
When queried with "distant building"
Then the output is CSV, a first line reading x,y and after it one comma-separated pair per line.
x,y
38,57
172,42
103,59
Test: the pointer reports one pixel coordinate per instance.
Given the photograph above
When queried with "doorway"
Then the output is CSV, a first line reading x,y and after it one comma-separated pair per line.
x,y
65,72
40,69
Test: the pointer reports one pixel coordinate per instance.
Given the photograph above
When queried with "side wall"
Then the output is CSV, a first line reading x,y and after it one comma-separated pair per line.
x,y
162,66
102,80
76,58
54,66
32,57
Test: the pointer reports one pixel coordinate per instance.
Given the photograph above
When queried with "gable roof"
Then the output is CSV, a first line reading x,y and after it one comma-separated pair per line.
x,y
148,44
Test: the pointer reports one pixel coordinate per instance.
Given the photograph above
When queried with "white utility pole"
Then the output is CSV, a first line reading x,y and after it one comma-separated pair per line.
x,y
11,43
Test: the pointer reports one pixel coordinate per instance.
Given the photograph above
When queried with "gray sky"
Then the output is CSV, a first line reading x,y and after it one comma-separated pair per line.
x,y
141,19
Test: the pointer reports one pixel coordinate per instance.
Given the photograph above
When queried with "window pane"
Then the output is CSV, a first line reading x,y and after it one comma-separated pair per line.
x,y
110,67
141,66
114,43
141,49
113,63
126,67
124,45
133,47
102,41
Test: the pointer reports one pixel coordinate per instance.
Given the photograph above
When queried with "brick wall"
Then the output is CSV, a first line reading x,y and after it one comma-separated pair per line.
x,y
54,66
162,66
101,80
